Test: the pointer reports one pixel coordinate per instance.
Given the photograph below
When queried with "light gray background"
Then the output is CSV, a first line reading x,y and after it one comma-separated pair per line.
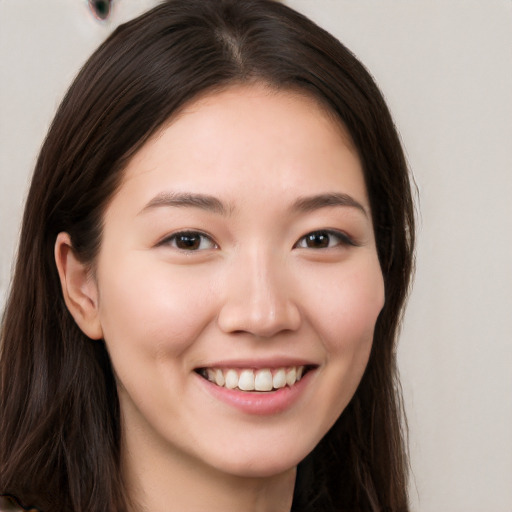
x,y
445,67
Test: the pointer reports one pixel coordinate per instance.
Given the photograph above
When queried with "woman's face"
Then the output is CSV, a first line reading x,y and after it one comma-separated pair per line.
x,y
239,253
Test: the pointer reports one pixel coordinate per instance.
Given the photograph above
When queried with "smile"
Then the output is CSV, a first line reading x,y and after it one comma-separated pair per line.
x,y
248,379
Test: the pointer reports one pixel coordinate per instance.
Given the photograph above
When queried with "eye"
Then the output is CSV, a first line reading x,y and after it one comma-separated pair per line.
x,y
324,239
190,241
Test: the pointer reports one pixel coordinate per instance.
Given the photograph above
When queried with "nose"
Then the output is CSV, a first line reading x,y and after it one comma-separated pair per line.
x,y
258,298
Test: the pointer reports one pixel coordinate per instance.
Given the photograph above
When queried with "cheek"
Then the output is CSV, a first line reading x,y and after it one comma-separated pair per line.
x,y
344,305
149,308
347,307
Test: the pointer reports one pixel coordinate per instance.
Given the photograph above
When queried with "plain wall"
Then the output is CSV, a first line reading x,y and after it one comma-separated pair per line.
x,y
445,67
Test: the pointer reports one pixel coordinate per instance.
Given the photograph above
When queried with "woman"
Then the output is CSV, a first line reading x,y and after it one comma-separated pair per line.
x,y
214,258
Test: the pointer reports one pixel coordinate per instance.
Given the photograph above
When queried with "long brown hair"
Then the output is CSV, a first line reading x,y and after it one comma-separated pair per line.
x,y
59,423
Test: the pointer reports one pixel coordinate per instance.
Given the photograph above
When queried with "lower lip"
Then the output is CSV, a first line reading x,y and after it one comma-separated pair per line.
x,y
259,403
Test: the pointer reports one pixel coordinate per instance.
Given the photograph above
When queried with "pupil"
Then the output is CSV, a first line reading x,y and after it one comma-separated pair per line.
x,y
188,241
318,240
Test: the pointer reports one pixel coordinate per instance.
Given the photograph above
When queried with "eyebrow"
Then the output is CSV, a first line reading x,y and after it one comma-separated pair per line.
x,y
212,204
186,199
311,203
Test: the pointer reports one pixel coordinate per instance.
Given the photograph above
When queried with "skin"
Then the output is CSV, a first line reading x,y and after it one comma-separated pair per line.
x,y
252,290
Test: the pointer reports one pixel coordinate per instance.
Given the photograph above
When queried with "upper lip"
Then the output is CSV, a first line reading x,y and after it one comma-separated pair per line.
x,y
272,362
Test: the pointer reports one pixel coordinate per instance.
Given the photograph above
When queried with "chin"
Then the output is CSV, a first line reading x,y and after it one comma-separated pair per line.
x,y
260,462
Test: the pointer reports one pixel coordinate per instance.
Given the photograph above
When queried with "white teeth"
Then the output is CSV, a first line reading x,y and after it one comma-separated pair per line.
x,y
279,379
291,376
254,380
219,377
231,379
263,380
246,381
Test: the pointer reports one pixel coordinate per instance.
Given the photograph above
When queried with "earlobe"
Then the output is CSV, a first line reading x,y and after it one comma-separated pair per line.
x,y
78,288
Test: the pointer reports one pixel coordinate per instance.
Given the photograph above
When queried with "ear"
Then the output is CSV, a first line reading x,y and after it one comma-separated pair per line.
x,y
78,287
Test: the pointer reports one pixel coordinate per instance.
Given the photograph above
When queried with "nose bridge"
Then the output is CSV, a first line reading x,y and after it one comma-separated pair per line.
x,y
258,298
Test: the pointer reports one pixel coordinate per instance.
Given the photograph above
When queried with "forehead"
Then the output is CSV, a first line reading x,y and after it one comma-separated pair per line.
x,y
248,137
287,100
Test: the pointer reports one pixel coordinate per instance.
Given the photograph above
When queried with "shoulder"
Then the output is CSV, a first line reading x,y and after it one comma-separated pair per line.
x,y
9,504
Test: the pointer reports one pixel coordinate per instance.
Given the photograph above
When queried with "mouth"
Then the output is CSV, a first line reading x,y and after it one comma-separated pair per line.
x,y
263,380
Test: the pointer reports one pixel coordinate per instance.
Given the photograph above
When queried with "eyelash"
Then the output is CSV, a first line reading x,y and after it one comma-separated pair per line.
x,y
342,240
